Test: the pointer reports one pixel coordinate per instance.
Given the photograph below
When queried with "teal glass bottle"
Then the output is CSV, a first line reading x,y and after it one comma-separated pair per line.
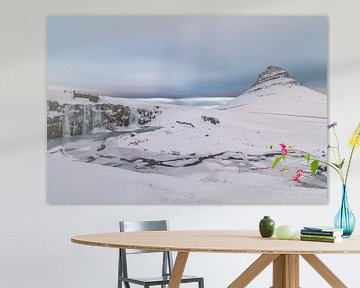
x,y
267,227
345,219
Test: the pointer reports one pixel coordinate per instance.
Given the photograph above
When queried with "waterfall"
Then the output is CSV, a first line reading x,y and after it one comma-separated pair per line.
x,y
88,124
133,116
80,119
85,120
96,118
66,129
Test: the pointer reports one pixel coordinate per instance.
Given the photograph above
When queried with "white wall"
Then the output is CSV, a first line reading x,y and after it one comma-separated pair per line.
x,y
35,248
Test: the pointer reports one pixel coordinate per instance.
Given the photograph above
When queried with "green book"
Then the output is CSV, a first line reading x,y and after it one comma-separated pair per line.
x,y
324,240
319,236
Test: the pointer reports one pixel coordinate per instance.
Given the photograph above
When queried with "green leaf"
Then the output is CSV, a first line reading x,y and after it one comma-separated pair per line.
x,y
314,166
339,166
276,162
342,163
271,146
307,157
336,165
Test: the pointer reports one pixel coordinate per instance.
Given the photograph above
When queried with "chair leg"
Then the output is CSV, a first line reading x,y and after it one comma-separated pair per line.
x,y
119,270
201,283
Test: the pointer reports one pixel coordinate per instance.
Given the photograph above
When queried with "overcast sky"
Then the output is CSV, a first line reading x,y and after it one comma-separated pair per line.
x,y
182,56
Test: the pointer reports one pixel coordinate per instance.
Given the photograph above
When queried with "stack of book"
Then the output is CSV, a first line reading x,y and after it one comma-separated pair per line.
x,y
321,234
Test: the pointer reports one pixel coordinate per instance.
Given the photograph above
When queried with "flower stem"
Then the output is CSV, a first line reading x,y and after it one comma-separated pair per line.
x,y
339,155
333,152
348,167
338,145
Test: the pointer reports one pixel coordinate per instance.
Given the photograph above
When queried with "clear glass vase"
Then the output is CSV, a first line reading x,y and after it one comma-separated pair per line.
x,y
345,219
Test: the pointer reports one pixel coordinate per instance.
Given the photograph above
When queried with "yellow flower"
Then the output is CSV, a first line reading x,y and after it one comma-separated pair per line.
x,y
355,138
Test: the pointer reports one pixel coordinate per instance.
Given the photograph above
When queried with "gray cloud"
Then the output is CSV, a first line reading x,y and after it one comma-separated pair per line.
x,y
183,56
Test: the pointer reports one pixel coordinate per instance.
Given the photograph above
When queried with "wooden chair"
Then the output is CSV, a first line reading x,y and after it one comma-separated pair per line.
x,y
167,262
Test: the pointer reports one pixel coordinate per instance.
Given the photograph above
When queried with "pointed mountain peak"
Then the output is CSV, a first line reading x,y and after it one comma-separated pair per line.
x,y
273,90
274,75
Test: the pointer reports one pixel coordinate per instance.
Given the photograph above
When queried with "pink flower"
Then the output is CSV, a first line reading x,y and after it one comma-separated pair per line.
x,y
284,149
299,175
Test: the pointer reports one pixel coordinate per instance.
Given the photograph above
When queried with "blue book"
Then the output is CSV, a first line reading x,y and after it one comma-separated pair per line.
x,y
322,231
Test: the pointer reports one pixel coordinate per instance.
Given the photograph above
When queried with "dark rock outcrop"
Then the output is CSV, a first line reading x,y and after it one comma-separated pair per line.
x,y
274,76
212,120
54,106
146,115
186,123
114,115
55,126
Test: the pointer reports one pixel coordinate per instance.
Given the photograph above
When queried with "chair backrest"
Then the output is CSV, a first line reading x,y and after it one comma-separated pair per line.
x,y
137,226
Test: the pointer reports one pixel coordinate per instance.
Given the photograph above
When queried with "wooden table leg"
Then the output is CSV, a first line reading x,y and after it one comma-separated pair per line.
x,y
286,271
253,270
293,264
324,271
178,269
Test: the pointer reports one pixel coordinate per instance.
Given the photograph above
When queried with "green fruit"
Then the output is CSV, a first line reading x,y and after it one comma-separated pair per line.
x,y
285,232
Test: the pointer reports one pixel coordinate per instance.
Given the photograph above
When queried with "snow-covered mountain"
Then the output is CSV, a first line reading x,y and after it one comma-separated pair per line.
x,y
167,153
275,91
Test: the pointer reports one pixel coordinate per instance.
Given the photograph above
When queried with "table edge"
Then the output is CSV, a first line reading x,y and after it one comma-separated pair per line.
x,y
206,250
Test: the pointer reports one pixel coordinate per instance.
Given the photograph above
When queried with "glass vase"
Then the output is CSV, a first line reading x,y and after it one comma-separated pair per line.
x,y
345,219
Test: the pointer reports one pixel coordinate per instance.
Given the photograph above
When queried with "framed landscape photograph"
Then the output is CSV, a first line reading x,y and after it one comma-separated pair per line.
x,y
185,109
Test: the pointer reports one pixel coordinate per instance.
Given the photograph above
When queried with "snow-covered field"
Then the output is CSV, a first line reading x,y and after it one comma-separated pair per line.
x,y
193,155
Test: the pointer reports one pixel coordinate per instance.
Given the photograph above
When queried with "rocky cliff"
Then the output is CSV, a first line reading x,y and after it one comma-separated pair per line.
x,y
274,75
79,119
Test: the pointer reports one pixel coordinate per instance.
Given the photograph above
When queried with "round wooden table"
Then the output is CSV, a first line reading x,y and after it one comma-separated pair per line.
x,y
284,254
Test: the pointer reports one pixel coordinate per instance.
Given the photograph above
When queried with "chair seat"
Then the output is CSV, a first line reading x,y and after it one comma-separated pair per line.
x,y
158,280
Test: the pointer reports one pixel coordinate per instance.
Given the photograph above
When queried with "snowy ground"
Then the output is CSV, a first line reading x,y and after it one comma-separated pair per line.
x,y
160,165
180,158
78,182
